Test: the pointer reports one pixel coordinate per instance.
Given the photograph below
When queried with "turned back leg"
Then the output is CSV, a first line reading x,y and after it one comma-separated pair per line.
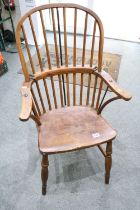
x,y
108,161
44,173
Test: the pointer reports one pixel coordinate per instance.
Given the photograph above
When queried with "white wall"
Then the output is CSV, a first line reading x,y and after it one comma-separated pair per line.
x,y
121,18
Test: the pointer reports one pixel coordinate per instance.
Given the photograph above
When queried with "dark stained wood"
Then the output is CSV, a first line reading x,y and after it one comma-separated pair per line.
x,y
108,161
44,173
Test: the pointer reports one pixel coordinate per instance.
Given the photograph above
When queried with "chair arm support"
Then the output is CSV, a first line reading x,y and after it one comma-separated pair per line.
x,y
26,107
115,87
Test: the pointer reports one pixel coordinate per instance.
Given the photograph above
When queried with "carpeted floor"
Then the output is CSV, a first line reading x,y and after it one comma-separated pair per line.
x,y
76,180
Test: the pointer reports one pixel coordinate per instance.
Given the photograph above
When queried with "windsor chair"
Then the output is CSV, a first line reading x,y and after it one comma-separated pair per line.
x,y
67,114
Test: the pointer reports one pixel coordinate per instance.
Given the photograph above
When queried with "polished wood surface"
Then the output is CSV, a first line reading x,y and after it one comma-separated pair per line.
x,y
67,115
71,128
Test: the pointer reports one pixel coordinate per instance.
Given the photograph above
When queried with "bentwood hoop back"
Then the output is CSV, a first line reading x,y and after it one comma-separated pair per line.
x,y
66,99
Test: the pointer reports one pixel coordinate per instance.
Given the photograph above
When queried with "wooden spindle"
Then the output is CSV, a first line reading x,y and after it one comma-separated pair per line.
x,y
36,44
40,96
35,100
34,109
47,94
74,44
93,44
81,89
28,50
53,91
84,40
45,39
74,89
55,38
94,91
65,37
60,88
102,99
99,94
88,89
61,56
68,92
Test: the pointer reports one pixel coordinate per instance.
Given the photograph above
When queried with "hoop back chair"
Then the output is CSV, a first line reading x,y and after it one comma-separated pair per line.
x,y
67,112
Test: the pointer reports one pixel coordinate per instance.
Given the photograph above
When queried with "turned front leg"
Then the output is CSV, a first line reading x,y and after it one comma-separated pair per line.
x,y
108,161
44,173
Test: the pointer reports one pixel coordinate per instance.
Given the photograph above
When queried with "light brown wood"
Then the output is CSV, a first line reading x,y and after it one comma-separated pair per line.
x,y
34,110
94,91
99,94
71,128
53,90
74,89
40,96
68,92
63,127
60,88
47,95
35,101
74,42
65,37
26,102
55,38
84,40
88,89
93,44
115,87
45,38
28,50
35,41
81,89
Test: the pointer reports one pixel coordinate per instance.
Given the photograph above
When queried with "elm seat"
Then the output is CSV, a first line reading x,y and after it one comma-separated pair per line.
x,y
71,128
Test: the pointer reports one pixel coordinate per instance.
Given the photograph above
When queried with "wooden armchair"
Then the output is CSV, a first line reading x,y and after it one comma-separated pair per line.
x,y
66,109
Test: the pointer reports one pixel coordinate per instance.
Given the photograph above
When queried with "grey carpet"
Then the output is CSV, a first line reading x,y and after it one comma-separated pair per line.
x,y
76,180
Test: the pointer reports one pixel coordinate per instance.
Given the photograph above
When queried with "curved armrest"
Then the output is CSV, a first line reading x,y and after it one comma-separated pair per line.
x,y
26,107
115,87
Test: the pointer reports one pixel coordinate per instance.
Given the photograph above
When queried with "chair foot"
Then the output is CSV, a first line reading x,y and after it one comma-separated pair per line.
x,y
107,179
44,190
108,161
44,173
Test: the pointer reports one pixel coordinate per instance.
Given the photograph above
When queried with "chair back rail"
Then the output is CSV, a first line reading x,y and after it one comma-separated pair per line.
x,y
58,14
50,96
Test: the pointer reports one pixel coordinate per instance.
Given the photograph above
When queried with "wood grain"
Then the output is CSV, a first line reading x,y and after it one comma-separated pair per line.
x,y
72,128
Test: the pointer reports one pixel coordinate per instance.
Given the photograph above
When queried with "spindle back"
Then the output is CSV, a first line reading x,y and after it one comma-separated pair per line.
x,y
58,16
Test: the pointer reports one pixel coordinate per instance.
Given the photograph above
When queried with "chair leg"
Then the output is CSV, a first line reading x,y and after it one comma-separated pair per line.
x,y
44,173
108,161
